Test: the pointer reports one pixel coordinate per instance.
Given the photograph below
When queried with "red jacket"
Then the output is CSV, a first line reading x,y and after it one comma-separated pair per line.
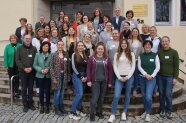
x,y
91,69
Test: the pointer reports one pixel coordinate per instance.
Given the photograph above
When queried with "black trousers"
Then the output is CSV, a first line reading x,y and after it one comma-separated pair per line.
x,y
98,92
27,82
15,84
44,89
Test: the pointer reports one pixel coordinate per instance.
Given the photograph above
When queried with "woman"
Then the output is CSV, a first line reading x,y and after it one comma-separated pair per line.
x,y
129,18
29,31
106,35
52,24
64,29
79,65
10,64
66,20
124,66
126,33
59,20
20,31
95,35
169,71
99,75
89,47
148,65
47,31
101,27
54,38
145,32
137,48
60,74
42,65
70,41
83,27
97,18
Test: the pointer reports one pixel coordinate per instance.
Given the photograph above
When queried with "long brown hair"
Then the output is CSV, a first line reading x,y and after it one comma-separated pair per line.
x,y
74,38
78,57
100,44
127,51
138,37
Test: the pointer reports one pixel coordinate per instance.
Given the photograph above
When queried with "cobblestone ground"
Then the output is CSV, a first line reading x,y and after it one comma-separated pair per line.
x,y
35,117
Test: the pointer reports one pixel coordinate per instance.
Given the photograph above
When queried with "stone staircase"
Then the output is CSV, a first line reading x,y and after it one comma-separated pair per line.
x,y
135,107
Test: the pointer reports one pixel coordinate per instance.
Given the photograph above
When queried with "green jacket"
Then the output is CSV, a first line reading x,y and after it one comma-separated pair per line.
x,y
42,62
25,57
9,54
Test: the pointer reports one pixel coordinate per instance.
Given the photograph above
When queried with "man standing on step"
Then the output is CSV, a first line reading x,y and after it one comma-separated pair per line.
x,y
24,59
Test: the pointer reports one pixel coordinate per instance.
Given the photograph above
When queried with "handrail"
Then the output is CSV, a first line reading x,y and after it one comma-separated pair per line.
x,y
182,71
181,60
11,87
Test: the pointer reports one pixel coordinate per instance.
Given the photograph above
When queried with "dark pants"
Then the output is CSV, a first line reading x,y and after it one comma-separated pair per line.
x,y
15,84
44,88
27,82
98,93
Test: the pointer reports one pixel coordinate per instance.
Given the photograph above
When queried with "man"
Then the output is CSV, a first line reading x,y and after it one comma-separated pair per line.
x,y
116,21
41,23
24,59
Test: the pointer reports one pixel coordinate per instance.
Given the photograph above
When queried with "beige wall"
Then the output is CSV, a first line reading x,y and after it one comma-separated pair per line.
x,y
11,11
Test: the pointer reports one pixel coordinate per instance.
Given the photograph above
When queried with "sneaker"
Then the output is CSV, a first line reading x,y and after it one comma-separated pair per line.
x,y
100,115
80,113
32,107
111,118
162,114
123,116
37,90
169,115
74,116
147,118
143,115
25,109
92,117
134,93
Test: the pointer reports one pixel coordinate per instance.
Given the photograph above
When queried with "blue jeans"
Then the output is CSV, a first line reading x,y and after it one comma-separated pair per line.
x,y
165,86
79,88
136,78
117,93
59,93
147,87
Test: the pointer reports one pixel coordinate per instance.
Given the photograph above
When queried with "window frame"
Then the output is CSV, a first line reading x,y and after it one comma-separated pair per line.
x,y
182,23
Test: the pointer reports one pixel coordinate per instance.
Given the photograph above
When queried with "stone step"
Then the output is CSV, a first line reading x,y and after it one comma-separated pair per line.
x,y
177,91
134,110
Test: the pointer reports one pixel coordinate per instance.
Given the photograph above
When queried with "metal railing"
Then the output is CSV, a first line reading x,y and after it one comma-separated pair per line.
x,y
181,60
11,87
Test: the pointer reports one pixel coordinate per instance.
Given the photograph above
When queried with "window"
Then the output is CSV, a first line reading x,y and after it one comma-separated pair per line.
x,y
183,11
163,12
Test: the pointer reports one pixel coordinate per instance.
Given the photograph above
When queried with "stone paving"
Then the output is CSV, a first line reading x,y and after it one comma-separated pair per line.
x,y
35,117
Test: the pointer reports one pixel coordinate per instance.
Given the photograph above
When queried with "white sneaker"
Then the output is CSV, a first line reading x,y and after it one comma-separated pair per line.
x,y
147,118
143,115
81,113
74,116
37,90
111,118
123,116
70,116
134,93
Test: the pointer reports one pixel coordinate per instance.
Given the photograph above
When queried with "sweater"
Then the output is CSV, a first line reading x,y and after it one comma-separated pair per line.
x,y
42,62
123,65
148,63
169,62
9,54
25,57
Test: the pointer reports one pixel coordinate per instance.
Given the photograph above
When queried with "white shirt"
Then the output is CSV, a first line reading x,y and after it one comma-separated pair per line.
x,y
36,43
123,65
117,19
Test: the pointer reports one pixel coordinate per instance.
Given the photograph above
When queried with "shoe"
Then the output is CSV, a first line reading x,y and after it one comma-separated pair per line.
x,y
61,108
111,118
57,111
162,114
47,110
68,91
25,109
169,115
143,115
74,116
32,107
42,110
100,115
92,117
134,93
123,116
147,118
80,113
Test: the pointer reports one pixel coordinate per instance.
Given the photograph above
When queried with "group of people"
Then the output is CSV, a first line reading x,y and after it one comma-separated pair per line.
x,y
98,53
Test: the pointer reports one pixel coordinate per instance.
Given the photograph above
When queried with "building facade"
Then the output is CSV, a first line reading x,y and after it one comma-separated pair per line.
x,y
168,15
